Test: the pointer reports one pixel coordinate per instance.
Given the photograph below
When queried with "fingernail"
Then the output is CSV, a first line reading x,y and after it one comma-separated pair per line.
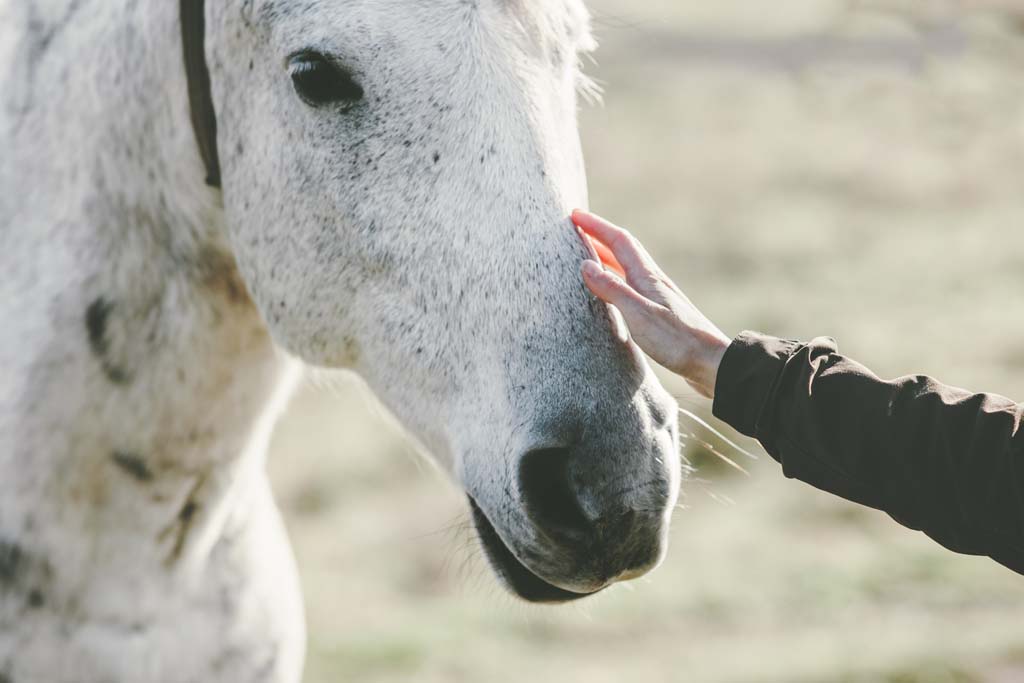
x,y
591,269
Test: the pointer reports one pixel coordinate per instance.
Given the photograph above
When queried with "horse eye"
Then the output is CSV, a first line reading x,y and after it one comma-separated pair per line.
x,y
319,81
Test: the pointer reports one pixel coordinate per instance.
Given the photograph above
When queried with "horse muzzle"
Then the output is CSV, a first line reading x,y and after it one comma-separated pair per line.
x,y
583,519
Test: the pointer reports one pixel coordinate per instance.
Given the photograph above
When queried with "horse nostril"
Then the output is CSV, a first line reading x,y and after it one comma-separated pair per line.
x,y
548,493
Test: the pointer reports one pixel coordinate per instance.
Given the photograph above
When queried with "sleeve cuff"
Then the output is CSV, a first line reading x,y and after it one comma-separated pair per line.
x,y
746,377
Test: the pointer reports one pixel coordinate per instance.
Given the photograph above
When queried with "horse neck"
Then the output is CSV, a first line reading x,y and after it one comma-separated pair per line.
x,y
131,351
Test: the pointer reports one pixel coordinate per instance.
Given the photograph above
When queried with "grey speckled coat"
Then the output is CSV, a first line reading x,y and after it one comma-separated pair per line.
x,y
417,237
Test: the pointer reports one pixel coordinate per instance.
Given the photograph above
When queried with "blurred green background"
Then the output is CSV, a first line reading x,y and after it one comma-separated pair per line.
x,y
803,167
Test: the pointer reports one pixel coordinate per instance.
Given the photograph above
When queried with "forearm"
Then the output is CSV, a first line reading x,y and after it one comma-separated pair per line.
x,y
938,459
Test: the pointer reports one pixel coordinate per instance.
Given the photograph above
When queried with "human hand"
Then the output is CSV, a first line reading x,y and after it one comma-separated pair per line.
x,y
661,320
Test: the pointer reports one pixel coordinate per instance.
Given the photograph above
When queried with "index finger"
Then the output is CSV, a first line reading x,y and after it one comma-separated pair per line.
x,y
620,243
607,257
599,251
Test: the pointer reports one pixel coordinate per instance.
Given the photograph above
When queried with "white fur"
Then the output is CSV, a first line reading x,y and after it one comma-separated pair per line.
x,y
421,242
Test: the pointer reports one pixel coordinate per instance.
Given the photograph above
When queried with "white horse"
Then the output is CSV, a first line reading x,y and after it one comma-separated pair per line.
x,y
394,183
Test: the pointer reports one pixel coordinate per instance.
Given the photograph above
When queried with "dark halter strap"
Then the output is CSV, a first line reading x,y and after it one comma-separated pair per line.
x,y
200,99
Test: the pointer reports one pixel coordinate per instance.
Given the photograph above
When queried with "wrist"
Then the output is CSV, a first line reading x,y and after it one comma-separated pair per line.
x,y
702,373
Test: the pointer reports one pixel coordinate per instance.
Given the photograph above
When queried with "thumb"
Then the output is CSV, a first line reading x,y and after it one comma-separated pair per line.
x,y
613,290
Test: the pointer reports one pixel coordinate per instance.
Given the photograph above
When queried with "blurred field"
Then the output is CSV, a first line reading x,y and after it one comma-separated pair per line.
x,y
802,167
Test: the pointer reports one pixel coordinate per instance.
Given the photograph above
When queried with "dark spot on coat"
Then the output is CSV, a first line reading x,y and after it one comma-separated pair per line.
x,y
97,319
437,157
218,273
22,572
179,529
36,599
184,525
96,324
132,464
11,560
5,677
188,511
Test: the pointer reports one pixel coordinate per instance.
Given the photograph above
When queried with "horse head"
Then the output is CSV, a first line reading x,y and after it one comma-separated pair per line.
x,y
397,178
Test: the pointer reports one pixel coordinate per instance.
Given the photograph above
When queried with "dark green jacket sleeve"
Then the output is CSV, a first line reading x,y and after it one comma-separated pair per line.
x,y
936,458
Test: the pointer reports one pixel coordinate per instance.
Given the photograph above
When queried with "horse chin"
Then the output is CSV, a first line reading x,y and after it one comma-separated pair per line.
x,y
516,575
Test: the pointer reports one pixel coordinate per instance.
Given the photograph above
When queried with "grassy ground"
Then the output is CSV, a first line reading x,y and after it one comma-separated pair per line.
x,y
804,167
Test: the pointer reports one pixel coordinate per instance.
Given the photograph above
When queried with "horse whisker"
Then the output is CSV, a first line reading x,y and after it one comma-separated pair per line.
x,y
717,433
722,456
719,498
